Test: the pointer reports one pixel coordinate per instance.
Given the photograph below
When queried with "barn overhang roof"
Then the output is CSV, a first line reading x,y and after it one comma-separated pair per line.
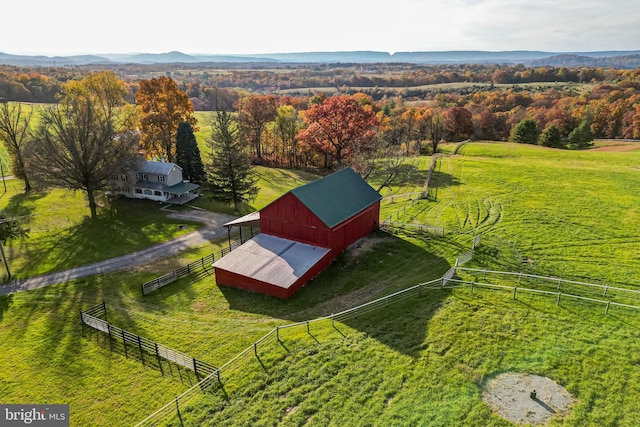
x,y
249,220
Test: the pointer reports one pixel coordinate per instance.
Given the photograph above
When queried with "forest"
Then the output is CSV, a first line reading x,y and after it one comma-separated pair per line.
x,y
414,106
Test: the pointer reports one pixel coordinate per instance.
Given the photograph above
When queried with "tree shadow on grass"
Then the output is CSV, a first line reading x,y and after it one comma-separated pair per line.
x,y
5,303
359,276
113,233
22,206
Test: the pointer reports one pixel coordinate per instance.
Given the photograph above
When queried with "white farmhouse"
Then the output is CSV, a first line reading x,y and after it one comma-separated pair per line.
x,y
159,181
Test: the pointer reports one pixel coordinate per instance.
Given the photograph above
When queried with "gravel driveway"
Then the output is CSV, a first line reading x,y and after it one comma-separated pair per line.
x,y
213,229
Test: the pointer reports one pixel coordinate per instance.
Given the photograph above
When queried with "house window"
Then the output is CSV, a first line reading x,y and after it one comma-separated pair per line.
x,y
137,177
124,177
145,177
148,192
161,178
138,191
114,177
157,193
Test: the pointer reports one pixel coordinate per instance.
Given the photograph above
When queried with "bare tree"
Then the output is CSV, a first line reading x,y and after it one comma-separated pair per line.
x,y
88,137
15,133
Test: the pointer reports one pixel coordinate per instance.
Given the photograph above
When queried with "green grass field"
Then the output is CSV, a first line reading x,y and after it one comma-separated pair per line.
x,y
418,362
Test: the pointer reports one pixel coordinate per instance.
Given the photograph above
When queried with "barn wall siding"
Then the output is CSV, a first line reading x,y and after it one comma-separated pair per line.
x,y
290,219
227,278
356,227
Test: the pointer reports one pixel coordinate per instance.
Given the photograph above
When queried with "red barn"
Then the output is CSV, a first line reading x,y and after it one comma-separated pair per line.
x,y
301,233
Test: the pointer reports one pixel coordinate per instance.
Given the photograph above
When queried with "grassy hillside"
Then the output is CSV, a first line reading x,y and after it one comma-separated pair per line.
x,y
418,362
424,362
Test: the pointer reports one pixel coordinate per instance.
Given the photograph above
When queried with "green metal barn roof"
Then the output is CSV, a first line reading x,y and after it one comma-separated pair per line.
x,y
337,197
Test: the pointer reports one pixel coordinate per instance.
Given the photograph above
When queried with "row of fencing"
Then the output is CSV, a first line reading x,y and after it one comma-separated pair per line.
x,y
609,296
526,283
96,318
412,227
172,408
196,266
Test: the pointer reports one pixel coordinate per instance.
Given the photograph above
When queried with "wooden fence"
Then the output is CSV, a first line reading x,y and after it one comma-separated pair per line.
x,y
609,296
196,266
419,228
95,317
172,408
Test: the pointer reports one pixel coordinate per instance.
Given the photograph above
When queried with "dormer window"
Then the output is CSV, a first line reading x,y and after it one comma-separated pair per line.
x,y
161,178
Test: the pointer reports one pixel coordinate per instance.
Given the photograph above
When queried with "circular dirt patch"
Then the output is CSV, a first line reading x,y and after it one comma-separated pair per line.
x,y
510,396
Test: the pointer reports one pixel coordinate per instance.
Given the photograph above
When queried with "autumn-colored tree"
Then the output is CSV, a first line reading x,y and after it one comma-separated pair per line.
x,y
458,124
15,133
254,112
163,106
287,126
90,135
486,122
338,127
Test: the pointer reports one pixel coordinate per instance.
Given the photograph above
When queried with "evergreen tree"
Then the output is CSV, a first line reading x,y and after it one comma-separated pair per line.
x,y
581,136
525,132
551,137
188,153
231,178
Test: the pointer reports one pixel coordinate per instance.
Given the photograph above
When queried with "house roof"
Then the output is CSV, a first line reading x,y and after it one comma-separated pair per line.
x,y
337,197
270,259
156,168
182,188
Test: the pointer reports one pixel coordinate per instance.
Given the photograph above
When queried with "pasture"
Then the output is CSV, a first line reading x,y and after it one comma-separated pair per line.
x,y
418,362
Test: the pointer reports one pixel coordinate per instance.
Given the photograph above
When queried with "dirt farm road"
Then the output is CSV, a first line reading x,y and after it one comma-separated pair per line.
x,y
213,229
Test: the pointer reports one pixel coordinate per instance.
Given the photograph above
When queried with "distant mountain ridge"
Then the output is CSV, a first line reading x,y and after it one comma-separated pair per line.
x,y
618,59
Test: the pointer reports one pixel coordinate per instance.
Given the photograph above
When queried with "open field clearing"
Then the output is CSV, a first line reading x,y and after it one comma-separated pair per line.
x,y
422,361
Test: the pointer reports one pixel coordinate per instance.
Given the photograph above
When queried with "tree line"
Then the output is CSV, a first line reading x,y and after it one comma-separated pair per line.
x,y
100,123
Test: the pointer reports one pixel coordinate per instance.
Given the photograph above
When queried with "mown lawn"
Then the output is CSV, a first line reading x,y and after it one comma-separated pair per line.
x,y
425,361
61,234
418,362
564,213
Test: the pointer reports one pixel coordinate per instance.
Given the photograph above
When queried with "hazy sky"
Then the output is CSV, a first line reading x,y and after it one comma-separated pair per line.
x,y
260,26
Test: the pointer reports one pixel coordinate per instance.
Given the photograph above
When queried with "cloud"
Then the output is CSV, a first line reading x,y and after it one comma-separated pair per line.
x,y
256,26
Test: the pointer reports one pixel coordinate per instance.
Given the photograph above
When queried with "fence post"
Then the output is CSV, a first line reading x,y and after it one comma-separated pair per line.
x,y
159,359
308,329
178,409
142,286
278,333
558,300
255,349
110,338
124,343
605,291
515,290
104,310
559,283
140,347
195,366
607,310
